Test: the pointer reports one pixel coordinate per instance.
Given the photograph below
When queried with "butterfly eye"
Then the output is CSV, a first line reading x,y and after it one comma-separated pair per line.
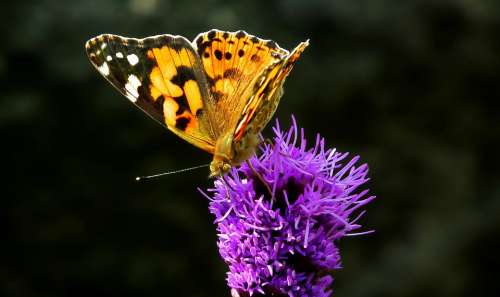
x,y
226,167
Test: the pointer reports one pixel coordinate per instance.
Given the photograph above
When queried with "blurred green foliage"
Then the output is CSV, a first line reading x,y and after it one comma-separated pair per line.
x,y
411,86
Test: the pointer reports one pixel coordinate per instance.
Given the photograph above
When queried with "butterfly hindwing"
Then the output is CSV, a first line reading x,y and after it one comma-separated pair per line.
x,y
266,95
163,76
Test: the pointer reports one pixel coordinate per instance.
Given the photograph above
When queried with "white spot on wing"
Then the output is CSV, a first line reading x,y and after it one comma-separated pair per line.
x,y
133,59
103,46
109,58
131,98
104,69
119,55
132,85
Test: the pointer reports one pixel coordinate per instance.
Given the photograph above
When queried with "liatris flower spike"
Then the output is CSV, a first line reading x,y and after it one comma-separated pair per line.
x,y
282,242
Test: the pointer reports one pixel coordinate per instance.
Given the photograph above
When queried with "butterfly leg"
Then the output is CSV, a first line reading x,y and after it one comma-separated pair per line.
x,y
261,179
226,184
268,141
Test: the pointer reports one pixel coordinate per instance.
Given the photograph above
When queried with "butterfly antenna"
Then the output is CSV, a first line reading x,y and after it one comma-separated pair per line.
x,y
139,178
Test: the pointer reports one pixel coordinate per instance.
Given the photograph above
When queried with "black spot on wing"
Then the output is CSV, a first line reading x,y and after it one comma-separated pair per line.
x,y
199,40
183,104
233,73
203,46
152,42
240,34
182,123
241,53
218,54
184,74
271,44
179,43
94,59
149,105
199,112
211,34
210,81
228,55
225,35
217,96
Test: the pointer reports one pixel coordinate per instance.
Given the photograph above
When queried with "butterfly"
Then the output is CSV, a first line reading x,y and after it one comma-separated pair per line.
x,y
217,92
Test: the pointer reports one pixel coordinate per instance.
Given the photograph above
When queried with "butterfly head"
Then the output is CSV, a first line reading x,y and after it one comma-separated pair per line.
x,y
230,152
223,156
219,166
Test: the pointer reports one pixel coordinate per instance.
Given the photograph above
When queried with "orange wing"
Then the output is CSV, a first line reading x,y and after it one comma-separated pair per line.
x,y
233,63
223,82
266,95
163,76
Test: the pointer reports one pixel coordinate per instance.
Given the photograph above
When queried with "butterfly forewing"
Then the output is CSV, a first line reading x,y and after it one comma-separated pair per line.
x,y
163,76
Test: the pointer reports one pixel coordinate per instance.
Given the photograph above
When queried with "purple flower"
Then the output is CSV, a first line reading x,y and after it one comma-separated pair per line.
x,y
279,238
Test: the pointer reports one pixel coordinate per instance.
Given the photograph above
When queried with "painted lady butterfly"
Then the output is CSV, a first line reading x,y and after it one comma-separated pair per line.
x,y
217,92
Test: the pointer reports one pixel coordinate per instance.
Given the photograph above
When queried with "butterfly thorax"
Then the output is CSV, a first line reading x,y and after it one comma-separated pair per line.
x,y
229,153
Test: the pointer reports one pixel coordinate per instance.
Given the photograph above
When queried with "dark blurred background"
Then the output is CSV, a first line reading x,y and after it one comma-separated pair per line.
x,y
411,86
